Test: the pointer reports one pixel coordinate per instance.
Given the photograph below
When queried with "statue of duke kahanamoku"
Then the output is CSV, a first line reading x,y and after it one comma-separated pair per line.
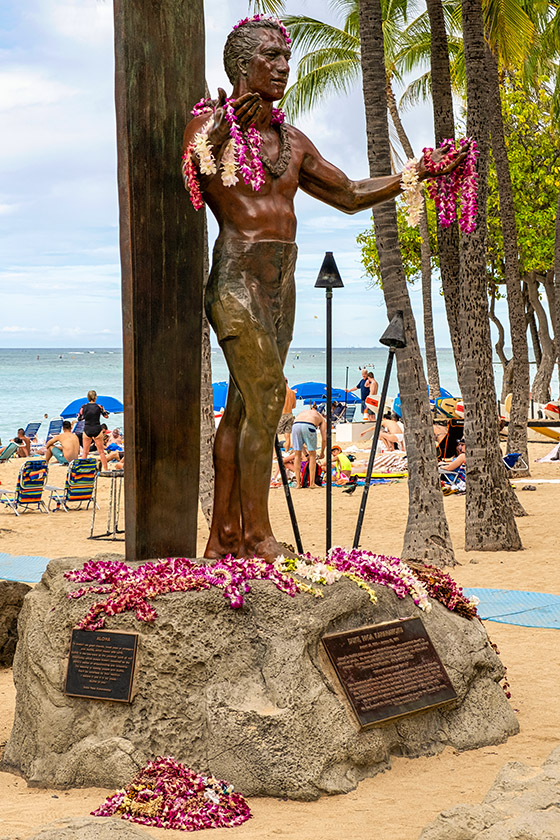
x,y
247,164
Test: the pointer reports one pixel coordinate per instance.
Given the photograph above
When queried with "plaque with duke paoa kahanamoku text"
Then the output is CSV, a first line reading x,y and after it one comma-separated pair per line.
x,y
101,665
389,670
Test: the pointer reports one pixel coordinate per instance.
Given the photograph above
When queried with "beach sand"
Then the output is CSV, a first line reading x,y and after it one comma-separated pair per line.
x,y
394,805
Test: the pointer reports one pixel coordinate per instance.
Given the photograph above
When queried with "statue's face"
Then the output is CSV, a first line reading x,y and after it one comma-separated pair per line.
x,y
268,69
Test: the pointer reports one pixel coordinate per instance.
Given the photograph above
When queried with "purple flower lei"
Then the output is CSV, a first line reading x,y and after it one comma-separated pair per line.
x,y
247,146
128,589
279,23
459,185
166,794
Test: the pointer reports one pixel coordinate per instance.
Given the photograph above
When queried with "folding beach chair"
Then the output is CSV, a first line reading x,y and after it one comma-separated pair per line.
x,y
29,488
80,482
8,452
515,461
452,481
55,428
32,429
349,413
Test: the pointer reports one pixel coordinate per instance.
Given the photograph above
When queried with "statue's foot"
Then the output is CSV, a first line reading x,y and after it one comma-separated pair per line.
x,y
221,545
268,549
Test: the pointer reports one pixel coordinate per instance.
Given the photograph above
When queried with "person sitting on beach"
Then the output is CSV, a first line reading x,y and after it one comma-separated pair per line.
x,y
289,465
115,441
304,431
24,444
65,447
287,419
342,465
392,433
440,433
93,431
457,462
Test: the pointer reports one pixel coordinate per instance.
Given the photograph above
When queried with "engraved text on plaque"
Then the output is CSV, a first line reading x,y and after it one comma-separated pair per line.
x,y
101,664
389,670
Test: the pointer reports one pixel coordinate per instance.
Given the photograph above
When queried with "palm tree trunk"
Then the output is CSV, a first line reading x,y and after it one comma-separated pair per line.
x,y
427,534
517,429
489,520
557,287
207,424
425,261
444,126
507,367
541,383
531,323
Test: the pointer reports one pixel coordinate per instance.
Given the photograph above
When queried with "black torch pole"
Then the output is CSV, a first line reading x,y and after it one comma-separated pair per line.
x,y
374,446
328,529
288,495
346,394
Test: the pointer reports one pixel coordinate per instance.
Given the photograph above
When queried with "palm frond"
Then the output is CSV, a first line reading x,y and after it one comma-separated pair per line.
x,y
417,91
266,7
334,77
309,34
509,30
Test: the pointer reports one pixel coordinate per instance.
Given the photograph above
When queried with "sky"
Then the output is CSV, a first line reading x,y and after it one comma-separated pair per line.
x,y
59,256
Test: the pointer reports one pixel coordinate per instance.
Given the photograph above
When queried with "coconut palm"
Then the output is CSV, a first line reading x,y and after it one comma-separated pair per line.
x,y
489,520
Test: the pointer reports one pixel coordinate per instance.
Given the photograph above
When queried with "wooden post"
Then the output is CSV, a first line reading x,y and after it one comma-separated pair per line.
x,y
159,50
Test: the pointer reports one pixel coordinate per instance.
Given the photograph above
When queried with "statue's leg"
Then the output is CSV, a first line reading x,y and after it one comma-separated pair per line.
x,y
225,532
260,381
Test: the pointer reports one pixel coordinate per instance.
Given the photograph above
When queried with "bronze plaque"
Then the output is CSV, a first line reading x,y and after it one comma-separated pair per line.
x,y
389,670
101,665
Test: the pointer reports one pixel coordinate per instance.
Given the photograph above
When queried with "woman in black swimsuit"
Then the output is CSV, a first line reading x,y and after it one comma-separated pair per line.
x,y
91,413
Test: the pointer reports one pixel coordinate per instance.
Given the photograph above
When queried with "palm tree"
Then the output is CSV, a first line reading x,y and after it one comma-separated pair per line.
x,y
331,63
427,534
489,521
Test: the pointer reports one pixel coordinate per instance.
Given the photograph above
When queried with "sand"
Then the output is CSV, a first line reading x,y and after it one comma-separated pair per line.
x,y
394,805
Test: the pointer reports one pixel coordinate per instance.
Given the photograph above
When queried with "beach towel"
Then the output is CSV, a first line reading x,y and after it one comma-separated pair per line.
x,y
23,567
512,606
553,455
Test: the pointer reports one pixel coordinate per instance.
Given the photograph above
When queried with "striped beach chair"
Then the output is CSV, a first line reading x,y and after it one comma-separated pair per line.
x,y
55,428
29,488
31,430
80,482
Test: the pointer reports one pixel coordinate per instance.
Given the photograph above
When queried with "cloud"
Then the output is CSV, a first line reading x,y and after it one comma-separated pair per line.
x,y
23,87
17,329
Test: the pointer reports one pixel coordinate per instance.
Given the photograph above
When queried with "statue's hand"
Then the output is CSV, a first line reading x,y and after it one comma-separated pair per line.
x,y
246,110
437,156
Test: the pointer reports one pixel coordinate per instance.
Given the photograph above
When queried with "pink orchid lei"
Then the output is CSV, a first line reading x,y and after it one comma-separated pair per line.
x,y
127,589
241,153
259,17
458,186
166,794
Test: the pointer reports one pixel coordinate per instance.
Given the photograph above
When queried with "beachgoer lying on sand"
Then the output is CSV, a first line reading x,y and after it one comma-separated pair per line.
x,y
65,447
289,459
24,444
553,455
458,461
115,455
304,432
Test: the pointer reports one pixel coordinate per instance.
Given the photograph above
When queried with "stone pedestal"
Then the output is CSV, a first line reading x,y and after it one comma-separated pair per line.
x,y
247,695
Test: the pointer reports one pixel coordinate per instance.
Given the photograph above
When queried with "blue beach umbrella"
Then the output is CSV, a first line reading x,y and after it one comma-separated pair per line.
x,y
397,401
110,404
219,395
311,391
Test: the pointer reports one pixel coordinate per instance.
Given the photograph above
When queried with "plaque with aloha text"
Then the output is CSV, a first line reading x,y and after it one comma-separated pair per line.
x,y
101,665
389,670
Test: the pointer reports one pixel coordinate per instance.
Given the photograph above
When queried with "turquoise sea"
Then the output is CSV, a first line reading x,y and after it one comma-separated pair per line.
x,y
35,381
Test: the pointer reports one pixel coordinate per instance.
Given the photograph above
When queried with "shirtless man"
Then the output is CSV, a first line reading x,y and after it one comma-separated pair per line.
x,y
250,296
24,444
65,447
287,419
304,432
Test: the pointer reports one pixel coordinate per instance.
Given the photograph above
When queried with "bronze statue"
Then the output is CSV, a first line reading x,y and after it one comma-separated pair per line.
x,y
250,297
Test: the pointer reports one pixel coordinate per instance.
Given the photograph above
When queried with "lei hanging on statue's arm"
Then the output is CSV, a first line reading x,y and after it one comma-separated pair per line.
x,y
447,191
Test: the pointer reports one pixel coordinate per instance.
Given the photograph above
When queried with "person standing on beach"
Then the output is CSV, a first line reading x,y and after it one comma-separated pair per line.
x,y
363,388
304,433
287,419
91,414
250,295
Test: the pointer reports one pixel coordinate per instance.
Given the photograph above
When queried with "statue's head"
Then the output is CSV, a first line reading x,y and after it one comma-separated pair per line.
x,y
244,41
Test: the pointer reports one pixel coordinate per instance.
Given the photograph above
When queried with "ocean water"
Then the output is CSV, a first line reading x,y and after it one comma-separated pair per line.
x,y
35,382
